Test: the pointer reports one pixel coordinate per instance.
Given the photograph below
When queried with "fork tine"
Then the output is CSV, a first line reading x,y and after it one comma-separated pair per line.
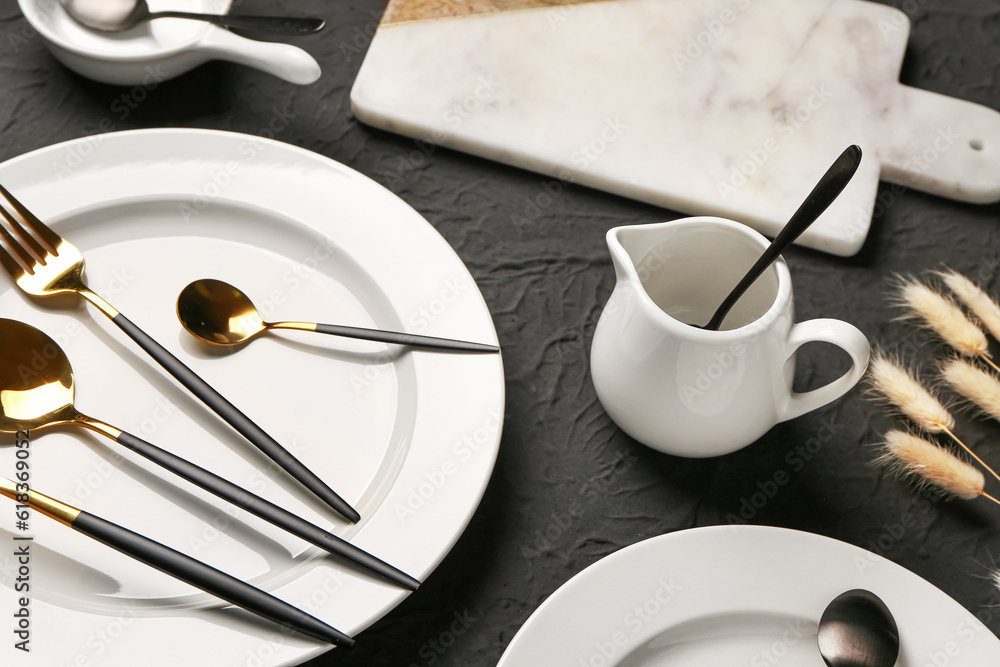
x,y
47,235
12,267
28,245
16,252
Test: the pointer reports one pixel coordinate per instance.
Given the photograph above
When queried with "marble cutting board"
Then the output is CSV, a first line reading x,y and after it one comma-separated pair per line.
x,y
723,107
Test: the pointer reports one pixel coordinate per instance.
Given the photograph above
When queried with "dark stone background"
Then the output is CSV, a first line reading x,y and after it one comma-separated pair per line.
x,y
546,283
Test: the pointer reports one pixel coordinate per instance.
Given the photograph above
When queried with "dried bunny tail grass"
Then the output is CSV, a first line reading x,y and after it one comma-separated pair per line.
x,y
944,317
981,388
931,466
910,397
916,402
975,299
977,385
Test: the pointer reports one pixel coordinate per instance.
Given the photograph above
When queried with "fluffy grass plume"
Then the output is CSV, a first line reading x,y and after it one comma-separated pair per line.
x,y
910,397
931,466
979,386
944,317
975,299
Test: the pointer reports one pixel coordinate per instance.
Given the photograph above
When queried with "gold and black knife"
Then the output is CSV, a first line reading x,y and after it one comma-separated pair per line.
x,y
176,564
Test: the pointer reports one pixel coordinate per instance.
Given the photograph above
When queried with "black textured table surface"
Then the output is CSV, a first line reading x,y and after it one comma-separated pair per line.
x,y
545,282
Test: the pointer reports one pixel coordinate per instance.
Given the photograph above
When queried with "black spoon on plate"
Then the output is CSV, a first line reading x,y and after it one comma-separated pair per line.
x,y
858,630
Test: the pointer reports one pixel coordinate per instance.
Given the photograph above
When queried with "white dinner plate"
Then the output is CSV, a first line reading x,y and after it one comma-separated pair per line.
x,y
736,595
408,438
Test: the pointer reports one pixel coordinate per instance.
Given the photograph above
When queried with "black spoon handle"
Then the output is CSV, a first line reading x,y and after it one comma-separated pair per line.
x,y
413,340
832,184
266,510
275,25
206,578
239,421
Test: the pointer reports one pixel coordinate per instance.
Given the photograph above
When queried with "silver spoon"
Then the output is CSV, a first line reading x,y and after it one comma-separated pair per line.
x,y
117,15
830,185
858,630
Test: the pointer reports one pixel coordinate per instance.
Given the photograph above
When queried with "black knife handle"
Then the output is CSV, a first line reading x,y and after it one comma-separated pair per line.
x,y
239,421
206,578
265,509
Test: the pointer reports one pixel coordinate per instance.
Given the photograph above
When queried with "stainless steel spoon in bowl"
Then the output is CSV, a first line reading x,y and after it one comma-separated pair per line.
x,y
858,630
219,313
118,15
829,186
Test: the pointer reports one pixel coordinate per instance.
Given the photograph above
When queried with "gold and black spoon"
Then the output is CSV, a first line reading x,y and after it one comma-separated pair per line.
x,y
37,389
221,314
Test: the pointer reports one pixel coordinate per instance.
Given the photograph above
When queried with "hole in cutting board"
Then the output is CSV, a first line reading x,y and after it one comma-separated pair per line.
x,y
976,144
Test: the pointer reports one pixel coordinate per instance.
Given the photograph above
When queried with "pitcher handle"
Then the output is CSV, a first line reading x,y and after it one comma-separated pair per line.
x,y
845,336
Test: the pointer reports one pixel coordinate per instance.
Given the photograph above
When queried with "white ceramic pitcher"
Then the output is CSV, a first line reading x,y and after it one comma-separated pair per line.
x,y
691,392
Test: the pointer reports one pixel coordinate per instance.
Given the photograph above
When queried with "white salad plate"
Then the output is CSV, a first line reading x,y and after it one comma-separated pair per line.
x,y
736,595
408,438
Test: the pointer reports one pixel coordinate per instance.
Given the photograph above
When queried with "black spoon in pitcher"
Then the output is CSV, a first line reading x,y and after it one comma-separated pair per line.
x,y
829,187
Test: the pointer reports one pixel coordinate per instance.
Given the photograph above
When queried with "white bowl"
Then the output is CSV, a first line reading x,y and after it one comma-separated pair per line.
x,y
162,49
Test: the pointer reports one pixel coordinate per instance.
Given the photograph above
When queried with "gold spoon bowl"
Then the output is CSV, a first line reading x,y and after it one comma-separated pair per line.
x,y
36,383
